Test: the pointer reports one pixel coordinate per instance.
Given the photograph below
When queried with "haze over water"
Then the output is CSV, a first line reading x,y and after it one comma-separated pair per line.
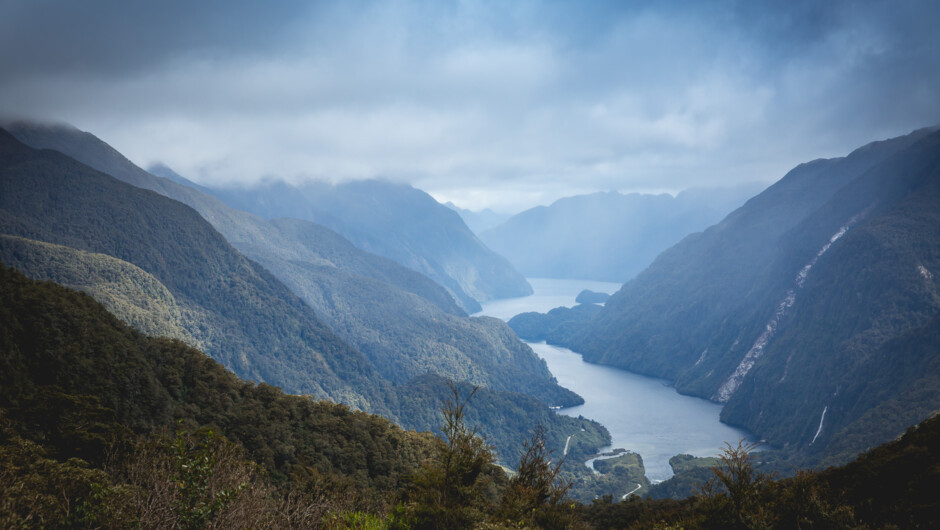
x,y
643,414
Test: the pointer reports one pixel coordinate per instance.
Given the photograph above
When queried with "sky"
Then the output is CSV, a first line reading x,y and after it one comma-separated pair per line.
x,y
500,104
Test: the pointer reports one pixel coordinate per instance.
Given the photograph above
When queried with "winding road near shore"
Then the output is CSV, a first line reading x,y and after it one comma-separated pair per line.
x,y
631,492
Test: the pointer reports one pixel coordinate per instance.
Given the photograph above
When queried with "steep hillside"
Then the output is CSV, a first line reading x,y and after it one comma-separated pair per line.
x,y
83,339
607,236
402,334
396,221
253,324
99,423
241,314
366,299
127,291
77,383
239,227
506,419
808,310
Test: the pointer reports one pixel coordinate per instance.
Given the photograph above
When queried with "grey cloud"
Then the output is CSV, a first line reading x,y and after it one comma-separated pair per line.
x,y
496,102
114,36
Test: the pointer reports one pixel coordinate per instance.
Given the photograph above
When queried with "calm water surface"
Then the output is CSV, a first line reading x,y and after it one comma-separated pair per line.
x,y
643,414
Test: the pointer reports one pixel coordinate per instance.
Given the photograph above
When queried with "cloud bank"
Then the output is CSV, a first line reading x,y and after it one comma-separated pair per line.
x,y
499,104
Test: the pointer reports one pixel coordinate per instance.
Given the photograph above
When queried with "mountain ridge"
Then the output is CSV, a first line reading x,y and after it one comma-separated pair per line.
x,y
607,236
396,221
321,267
797,309
50,197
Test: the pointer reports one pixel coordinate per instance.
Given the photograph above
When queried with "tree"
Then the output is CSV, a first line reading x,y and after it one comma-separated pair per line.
x,y
535,496
198,502
453,490
734,497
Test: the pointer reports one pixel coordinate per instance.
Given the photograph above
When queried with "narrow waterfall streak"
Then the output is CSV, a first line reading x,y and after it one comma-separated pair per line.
x,y
701,357
727,389
821,419
757,349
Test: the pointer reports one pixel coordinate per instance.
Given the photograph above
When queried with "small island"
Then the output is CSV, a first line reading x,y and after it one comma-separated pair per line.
x,y
591,297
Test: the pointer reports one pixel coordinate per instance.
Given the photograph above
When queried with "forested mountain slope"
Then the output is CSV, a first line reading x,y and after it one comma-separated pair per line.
x,y
127,291
98,425
162,267
239,227
811,310
77,383
402,334
396,221
246,319
406,324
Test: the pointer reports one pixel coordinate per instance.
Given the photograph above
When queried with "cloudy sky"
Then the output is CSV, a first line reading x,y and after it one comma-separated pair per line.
x,y
505,104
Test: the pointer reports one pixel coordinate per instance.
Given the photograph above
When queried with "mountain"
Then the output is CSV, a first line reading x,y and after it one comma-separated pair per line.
x,y
238,227
61,341
127,291
104,427
811,311
395,221
89,405
607,236
403,335
54,337
405,324
239,312
478,221
135,262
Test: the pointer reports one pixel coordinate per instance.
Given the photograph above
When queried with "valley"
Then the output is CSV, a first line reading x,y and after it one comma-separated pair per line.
x,y
293,303
465,264
643,414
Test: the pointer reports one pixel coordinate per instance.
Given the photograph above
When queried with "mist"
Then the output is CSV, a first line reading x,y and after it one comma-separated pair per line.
x,y
483,104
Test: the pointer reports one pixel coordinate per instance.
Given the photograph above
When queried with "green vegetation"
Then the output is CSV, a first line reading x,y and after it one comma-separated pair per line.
x,y
398,222
455,489
80,391
852,357
159,266
137,430
689,475
505,419
101,426
70,366
890,487
619,475
128,292
253,324
405,336
536,493
405,324
556,326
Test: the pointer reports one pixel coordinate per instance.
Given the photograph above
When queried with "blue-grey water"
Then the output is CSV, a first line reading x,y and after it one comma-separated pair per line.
x,y
643,414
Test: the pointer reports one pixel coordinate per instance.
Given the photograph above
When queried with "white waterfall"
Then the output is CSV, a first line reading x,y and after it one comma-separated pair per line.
x,y
731,384
821,419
